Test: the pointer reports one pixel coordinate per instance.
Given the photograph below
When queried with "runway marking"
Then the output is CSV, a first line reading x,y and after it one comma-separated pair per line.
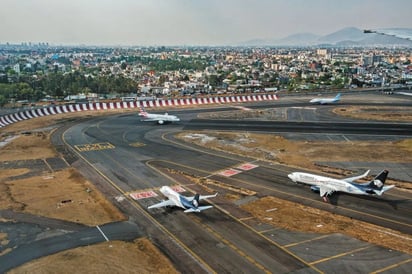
x,y
246,218
104,235
94,147
137,144
232,246
178,188
229,172
306,241
242,108
340,255
346,139
247,166
310,108
391,266
142,195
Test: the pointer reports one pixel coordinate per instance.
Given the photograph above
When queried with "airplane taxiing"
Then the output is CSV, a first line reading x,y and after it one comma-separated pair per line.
x,y
189,204
159,118
327,185
324,101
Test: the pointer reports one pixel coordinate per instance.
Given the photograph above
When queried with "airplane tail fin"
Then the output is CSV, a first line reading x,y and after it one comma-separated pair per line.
x,y
337,97
196,207
195,201
377,183
142,111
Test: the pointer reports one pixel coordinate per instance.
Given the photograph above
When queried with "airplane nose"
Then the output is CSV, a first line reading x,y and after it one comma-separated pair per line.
x,y
292,177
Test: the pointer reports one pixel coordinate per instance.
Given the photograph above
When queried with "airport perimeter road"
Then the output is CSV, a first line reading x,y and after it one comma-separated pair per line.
x,y
131,155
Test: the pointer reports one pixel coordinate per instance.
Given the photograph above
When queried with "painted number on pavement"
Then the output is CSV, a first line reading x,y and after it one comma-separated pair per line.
x,y
93,147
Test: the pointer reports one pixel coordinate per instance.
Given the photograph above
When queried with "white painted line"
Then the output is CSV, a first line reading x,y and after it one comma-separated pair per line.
x,y
347,139
104,235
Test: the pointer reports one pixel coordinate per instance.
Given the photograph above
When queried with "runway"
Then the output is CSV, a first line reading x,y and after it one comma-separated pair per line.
x,y
122,155
370,128
140,155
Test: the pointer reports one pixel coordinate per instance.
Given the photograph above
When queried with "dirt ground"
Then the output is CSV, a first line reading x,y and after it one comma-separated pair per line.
x,y
139,256
62,195
382,113
81,197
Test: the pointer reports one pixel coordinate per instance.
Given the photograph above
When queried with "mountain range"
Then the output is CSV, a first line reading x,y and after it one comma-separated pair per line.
x,y
346,37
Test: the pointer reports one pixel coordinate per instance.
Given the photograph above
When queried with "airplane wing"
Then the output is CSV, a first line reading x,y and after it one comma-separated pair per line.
x,y
162,204
385,188
324,191
198,209
201,197
351,179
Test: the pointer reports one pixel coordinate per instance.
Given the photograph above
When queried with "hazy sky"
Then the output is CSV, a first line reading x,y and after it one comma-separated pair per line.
x,y
189,22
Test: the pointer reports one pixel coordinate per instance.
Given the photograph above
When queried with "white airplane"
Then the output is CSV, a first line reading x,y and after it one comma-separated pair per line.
x,y
327,185
324,101
159,118
189,204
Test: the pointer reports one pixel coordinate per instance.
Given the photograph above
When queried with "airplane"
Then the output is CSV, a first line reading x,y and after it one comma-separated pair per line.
x,y
189,204
327,185
159,118
324,101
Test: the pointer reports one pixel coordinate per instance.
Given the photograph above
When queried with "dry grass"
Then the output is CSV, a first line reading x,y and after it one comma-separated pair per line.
x,y
139,256
382,113
26,147
64,195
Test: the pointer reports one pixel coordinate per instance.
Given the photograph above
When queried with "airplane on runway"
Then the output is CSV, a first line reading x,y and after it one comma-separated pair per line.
x,y
159,118
324,101
327,185
189,204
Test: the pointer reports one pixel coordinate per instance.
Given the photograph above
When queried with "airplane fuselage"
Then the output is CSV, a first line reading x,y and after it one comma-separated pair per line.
x,y
189,204
330,183
160,118
166,117
324,101
177,199
172,195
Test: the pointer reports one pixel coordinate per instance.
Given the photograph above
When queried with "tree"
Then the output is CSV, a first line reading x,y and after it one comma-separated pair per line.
x,y
3,100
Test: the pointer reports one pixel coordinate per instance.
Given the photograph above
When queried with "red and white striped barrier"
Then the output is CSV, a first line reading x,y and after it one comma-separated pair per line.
x,y
58,109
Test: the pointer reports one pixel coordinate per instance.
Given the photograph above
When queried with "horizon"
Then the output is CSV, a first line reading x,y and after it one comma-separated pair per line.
x,y
189,23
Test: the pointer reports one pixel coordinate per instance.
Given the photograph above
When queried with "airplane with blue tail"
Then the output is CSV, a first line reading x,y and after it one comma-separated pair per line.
x,y
324,101
327,185
189,204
